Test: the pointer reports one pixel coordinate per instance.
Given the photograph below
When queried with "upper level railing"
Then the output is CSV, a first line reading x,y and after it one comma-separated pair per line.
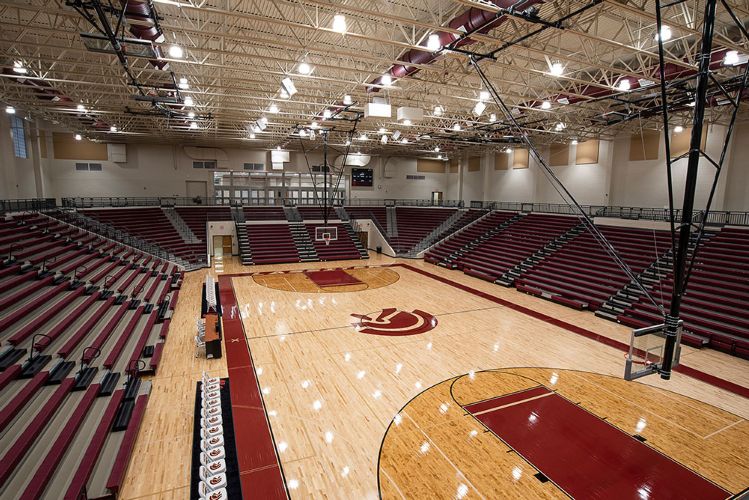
x,y
27,205
736,218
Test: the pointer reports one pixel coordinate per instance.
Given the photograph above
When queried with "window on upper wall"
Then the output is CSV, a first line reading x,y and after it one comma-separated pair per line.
x,y
254,166
209,164
19,137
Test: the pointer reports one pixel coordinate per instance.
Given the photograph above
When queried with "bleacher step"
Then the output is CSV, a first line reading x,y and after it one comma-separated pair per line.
x,y
132,389
109,383
31,368
10,356
84,377
59,372
122,418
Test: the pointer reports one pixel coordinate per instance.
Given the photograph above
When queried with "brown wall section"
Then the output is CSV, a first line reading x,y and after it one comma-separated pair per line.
x,y
67,148
501,161
644,146
474,164
559,155
680,142
520,158
430,166
587,152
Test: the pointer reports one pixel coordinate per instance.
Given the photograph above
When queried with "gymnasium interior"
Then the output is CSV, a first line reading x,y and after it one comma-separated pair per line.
x,y
387,249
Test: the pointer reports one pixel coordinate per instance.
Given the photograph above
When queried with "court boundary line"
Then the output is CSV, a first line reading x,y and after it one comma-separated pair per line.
x,y
707,378
251,366
508,405
694,373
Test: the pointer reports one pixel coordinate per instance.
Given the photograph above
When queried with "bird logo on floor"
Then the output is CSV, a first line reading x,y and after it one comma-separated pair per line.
x,y
393,322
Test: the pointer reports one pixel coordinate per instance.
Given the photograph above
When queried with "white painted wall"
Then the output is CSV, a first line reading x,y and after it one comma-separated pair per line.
x,y
644,183
398,186
162,170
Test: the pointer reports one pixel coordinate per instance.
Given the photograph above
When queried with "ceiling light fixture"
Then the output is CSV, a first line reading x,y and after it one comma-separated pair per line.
x,y
665,33
384,139
19,68
113,128
484,95
386,80
78,137
193,125
314,125
439,157
479,108
304,69
731,58
10,110
492,118
382,130
188,101
176,52
191,114
288,85
406,122
456,127
183,84
436,149
326,114
404,141
438,110
678,129
252,136
546,105
433,42
624,85
556,69
283,94
81,108
363,137
302,132
573,142
273,109
347,101
339,23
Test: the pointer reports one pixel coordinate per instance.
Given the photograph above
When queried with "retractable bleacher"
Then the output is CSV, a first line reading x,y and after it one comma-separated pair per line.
x,y
74,335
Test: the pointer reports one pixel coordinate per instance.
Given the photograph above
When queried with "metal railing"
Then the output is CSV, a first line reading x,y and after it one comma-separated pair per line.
x,y
738,218
27,205
117,235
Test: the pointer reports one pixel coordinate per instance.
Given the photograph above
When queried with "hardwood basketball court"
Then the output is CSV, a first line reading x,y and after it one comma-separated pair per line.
x,y
357,415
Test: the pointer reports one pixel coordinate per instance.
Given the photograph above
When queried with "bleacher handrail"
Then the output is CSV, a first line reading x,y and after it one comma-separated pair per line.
x,y
737,218
27,205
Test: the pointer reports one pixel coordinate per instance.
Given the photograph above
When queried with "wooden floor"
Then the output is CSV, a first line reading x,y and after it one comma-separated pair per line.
x,y
332,392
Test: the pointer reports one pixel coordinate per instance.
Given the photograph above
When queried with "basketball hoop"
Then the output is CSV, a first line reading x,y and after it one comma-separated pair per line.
x,y
326,239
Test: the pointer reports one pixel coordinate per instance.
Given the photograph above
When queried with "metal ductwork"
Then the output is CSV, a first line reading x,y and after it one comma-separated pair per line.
x,y
471,21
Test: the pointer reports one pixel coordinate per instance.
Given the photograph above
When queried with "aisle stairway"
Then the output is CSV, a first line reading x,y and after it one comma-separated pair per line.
x,y
303,242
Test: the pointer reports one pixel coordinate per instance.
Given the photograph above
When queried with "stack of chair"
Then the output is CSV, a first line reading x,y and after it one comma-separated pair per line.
x,y
200,337
212,470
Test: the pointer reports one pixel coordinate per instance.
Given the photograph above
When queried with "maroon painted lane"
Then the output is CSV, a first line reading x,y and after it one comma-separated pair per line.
x,y
252,435
333,277
507,399
589,458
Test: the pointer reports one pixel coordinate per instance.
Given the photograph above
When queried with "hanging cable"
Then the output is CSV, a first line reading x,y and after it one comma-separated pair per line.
x,y
560,188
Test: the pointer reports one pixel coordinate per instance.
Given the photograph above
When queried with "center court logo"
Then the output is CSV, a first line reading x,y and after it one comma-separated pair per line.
x,y
393,322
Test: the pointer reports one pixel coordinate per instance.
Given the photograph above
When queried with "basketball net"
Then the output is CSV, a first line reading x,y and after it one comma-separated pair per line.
x,y
326,239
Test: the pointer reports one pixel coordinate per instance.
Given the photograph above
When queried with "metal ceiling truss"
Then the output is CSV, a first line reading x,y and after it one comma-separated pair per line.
x,y
237,52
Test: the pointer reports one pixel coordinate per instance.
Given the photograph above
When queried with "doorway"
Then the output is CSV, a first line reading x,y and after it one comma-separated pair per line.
x,y
218,246
437,198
